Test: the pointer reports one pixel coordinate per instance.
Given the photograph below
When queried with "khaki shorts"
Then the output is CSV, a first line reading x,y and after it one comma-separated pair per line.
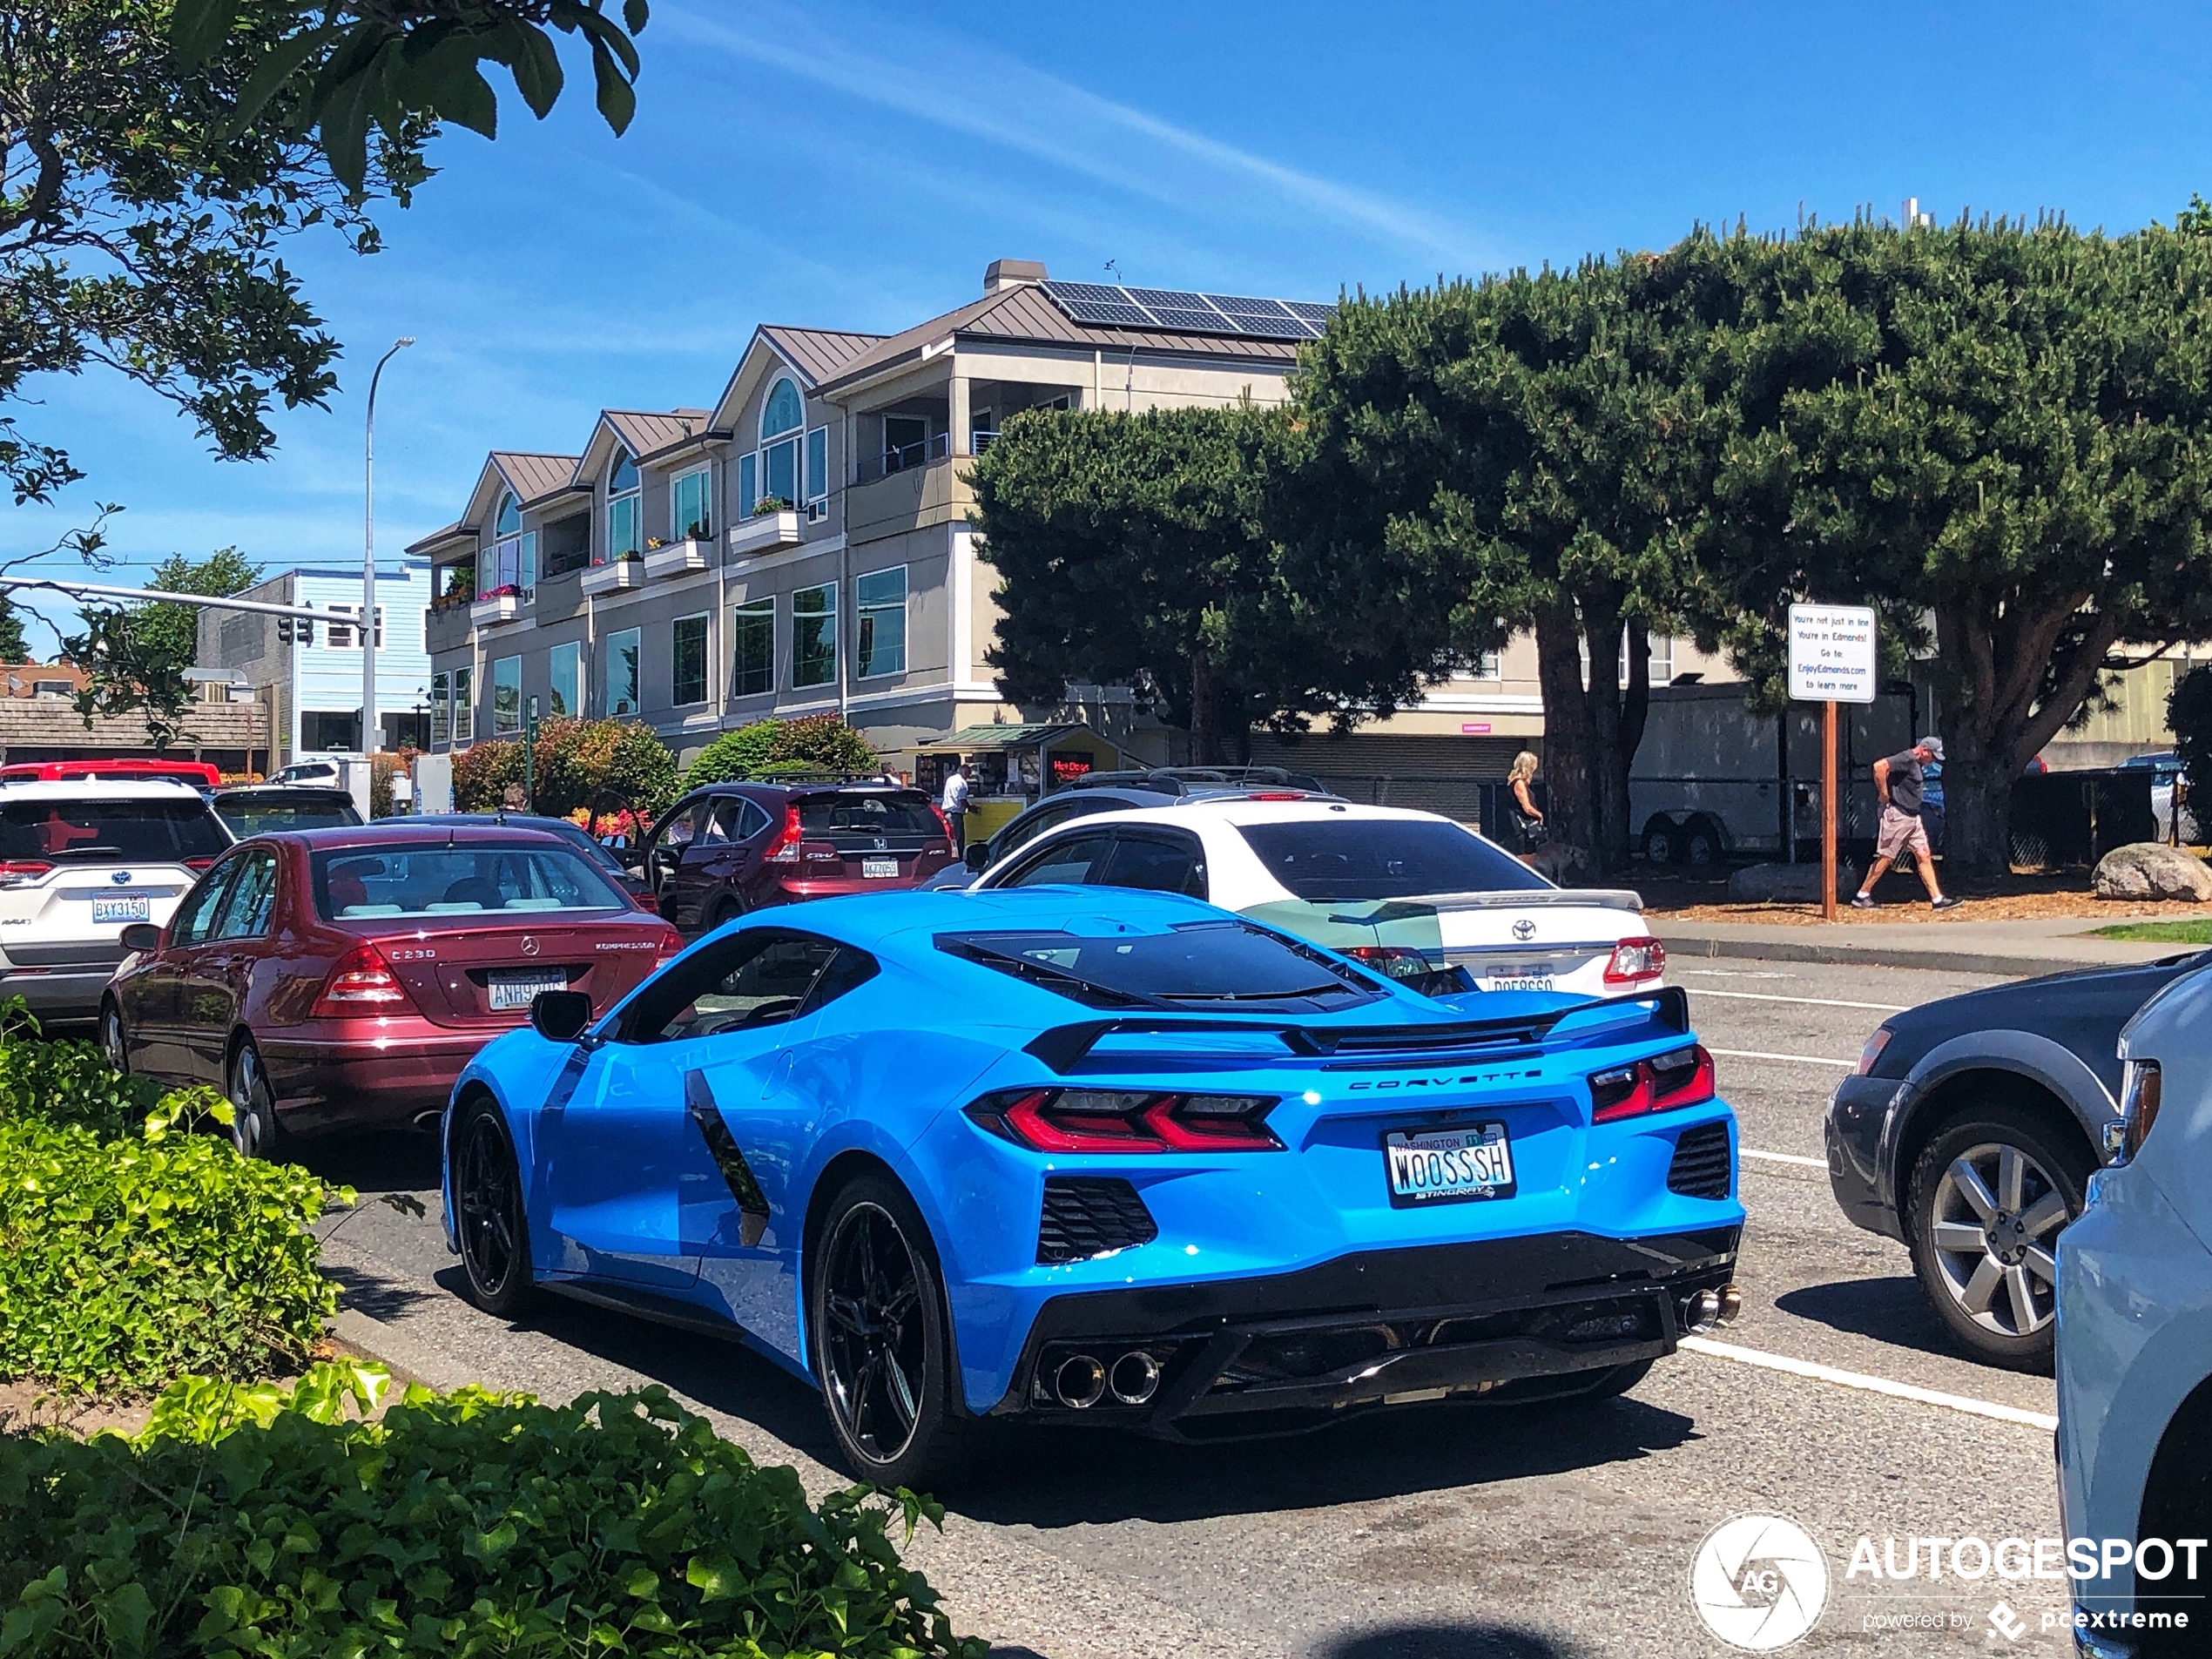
x,y
1901,833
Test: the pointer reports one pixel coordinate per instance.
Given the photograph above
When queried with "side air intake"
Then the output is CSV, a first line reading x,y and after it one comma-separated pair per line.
x,y
1088,1215
1701,1166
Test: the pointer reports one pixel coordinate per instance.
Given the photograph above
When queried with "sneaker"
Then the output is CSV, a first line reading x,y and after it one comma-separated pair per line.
x,y
1944,903
1860,901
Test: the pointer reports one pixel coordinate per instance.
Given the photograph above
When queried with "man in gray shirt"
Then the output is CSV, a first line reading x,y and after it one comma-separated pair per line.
x,y
1898,779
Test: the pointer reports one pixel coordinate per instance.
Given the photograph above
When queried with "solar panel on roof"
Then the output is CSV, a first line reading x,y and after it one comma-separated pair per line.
x,y
1174,299
1311,312
1096,291
1181,311
1202,323
1117,315
1237,305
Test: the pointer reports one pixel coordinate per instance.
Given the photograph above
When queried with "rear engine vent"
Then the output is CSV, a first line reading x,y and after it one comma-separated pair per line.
x,y
1087,1216
1701,1169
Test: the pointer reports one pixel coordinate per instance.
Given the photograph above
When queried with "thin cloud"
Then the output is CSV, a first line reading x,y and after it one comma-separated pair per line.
x,y
1058,122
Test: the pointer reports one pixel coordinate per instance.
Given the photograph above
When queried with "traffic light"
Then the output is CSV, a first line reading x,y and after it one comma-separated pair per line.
x,y
284,630
295,631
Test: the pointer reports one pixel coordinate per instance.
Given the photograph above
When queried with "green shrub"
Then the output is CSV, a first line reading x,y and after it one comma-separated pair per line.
x,y
817,742
573,760
469,1523
482,773
62,1083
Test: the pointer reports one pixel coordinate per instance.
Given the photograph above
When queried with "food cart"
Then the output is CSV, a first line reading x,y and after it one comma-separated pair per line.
x,y
1010,768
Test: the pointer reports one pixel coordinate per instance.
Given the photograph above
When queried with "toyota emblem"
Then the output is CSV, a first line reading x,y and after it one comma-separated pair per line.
x,y
529,945
1524,928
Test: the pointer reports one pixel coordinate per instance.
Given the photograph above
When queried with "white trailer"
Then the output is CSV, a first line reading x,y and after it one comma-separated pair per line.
x,y
1713,779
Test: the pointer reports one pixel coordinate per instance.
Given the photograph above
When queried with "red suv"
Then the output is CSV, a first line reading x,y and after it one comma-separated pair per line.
x,y
728,848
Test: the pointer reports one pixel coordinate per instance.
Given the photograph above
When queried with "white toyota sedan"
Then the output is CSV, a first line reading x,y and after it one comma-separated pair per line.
x,y
1412,894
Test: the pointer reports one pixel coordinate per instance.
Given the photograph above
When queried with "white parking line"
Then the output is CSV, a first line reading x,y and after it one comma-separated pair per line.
x,y
1871,1384
1809,1001
1786,1157
1794,1058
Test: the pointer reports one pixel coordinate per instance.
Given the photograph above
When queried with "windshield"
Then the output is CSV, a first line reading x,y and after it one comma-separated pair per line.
x,y
156,832
1210,964
1384,858
439,879
250,815
860,819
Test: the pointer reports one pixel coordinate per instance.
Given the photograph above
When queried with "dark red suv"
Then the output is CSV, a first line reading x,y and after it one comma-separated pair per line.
x,y
728,848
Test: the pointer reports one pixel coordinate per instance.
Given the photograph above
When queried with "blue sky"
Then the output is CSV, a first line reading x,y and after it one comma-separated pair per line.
x,y
851,166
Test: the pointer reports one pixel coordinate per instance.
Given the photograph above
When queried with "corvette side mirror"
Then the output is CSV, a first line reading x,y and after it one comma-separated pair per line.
x,y
560,1016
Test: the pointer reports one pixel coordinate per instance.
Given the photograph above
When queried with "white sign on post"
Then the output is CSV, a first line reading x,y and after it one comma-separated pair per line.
x,y
1831,654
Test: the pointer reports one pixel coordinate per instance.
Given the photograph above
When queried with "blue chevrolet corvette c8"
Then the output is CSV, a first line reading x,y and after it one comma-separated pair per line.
x,y
1102,1158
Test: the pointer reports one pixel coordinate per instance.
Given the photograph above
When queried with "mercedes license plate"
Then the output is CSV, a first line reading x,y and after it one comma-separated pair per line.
x,y
520,990
879,869
1448,1165
134,906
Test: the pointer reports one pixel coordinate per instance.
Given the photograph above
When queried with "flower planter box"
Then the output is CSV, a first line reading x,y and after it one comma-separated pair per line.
x,y
498,607
614,575
676,558
765,534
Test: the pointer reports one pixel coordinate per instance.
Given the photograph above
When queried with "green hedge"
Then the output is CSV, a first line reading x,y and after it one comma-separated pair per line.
x,y
573,761
133,1249
757,750
462,1524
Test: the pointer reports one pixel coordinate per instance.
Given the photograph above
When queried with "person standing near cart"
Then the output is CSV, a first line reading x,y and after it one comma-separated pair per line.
x,y
1901,781
954,804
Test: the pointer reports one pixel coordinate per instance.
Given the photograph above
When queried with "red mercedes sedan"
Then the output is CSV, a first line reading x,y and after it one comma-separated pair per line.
x,y
338,977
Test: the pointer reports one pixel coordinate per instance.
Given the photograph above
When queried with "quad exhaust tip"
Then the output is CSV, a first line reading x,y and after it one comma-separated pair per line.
x,y
1703,1311
1134,1377
1080,1383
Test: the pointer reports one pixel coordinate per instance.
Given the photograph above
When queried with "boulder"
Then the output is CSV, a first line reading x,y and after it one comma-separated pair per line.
x,y
1786,883
2153,870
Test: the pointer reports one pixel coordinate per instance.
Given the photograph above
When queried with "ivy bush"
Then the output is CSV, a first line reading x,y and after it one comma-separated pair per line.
x,y
133,1249
267,1523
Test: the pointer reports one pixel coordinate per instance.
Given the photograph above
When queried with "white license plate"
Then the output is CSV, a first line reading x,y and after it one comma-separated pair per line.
x,y
880,869
520,990
133,907
1519,983
1449,1165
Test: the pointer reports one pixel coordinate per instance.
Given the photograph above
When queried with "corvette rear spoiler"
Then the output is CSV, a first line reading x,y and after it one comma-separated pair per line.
x,y
1065,1046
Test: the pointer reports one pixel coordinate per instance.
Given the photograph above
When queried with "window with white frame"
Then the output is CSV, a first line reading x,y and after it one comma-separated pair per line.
x,y
687,660
753,648
690,514
1487,665
748,484
813,635
440,711
781,416
564,680
464,705
506,695
622,537
818,472
620,677
879,635
341,632
509,563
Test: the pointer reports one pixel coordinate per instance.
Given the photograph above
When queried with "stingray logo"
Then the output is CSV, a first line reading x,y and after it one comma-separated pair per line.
x,y
1524,929
1758,1582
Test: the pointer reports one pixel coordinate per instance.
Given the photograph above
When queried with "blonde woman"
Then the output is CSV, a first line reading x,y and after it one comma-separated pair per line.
x,y
1528,830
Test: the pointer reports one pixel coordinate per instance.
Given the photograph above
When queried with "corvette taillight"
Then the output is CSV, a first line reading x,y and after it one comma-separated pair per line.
x,y
785,848
1635,961
1679,1077
362,982
1100,1120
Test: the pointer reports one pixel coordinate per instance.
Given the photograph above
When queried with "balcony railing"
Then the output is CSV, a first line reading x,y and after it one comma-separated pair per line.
x,y
903,457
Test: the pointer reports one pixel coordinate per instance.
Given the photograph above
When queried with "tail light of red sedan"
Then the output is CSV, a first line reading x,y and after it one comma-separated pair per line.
x,y
362,982
785,848
1680,1077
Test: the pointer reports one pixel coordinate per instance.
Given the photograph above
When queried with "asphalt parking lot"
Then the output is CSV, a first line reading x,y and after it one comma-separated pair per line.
x,y
1452,1531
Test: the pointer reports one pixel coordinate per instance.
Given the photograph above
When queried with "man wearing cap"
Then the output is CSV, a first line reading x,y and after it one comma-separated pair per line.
x,y
1900,783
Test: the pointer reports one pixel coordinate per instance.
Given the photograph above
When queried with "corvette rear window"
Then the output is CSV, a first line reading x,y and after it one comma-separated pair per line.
x,y
1228,965
161,832
443,879
1384,857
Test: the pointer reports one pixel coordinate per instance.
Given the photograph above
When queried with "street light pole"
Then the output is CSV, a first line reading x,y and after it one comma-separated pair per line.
x,y
372,738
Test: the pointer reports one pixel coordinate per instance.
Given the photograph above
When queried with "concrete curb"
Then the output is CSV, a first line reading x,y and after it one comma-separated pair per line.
x,y
396,1348
1945,961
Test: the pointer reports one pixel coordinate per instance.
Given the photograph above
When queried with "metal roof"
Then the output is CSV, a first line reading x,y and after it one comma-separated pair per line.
x,y
1008,737
647,430
818,352
530,475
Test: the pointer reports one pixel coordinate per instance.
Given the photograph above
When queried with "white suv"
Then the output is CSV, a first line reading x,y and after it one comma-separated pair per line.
x,y
78,863
1411,893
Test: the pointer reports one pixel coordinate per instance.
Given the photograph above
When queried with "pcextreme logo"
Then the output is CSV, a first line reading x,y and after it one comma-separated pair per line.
x,y
1758,1582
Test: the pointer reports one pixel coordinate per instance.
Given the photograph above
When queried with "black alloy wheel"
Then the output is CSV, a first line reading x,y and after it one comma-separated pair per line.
x,y
493,1223
111,1043
254,1128
882,1347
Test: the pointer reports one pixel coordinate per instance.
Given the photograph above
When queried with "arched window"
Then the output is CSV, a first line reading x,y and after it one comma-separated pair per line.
x,y
782,413
623,540
511,563
508,521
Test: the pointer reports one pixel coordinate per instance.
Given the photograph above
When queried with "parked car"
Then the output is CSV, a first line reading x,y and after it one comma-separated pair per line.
x,y
345,976
1022,1128
2135,1349
1121,791
78,863
197,774
575,834
1969,1133
728,848
251,809
2166,770
1412,894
